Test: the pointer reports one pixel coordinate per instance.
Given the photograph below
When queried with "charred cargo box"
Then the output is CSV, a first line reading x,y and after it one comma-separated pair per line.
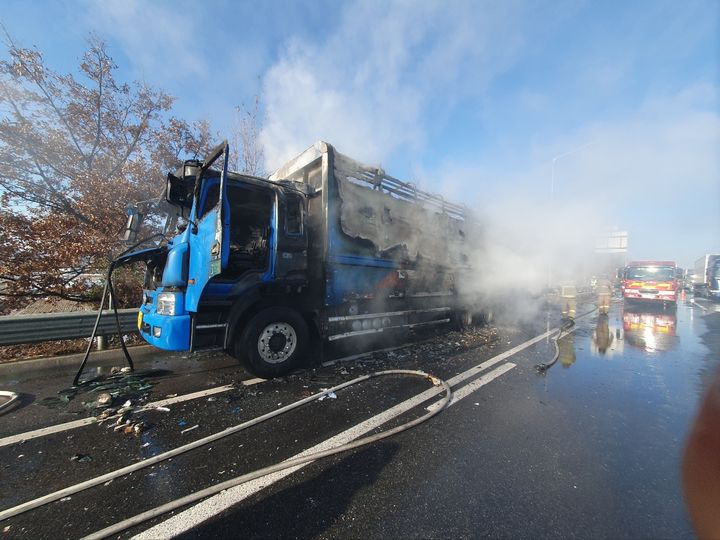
x,y
381,244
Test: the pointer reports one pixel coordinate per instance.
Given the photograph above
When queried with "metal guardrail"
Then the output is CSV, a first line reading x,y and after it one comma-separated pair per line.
x,y
18,329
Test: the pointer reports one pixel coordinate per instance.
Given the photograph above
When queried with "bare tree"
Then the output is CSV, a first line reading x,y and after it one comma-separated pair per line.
x,y
247,153
75,149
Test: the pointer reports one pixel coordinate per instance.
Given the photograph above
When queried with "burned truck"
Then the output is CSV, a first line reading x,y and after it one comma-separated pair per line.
x,y
326,248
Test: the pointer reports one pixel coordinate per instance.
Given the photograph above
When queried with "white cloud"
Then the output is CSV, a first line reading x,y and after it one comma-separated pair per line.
x,y
368,86
654,170
162,41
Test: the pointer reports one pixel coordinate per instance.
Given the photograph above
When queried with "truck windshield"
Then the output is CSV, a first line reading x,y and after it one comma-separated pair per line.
x,y
157,216
651,273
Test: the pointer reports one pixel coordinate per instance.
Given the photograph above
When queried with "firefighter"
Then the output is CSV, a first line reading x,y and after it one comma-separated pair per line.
x,y
604,292
568,294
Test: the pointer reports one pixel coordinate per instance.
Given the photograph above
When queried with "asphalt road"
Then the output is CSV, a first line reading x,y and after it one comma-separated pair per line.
x,y
590,449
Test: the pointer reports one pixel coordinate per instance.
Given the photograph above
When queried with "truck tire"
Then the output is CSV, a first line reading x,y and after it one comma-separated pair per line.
x,y
485,317
273,342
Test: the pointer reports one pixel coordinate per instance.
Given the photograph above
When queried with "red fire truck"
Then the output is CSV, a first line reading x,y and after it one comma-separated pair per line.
x,y
651,281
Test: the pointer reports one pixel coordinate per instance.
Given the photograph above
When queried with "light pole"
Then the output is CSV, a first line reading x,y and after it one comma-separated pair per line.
x,y
560,156
552,198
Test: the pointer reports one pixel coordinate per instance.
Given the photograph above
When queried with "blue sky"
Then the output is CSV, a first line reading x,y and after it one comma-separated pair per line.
x,y
469,98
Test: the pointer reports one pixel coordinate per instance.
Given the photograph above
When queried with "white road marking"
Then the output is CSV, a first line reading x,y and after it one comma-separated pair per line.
x,y
187,397
469,388
212,506
20,437
42,432
698,304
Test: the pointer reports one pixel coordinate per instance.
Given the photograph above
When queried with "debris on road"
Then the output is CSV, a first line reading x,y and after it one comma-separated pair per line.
x,y
330,395
189,429
81,458
119,385
156,408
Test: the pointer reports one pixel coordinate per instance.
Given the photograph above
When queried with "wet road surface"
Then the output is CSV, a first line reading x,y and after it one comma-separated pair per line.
x,y
589,449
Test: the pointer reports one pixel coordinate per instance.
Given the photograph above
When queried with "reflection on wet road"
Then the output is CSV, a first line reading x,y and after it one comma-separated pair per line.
x,y
650,328
630,387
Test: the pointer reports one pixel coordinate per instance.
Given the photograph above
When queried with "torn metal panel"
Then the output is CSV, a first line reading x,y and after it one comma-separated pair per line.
x,y
412,226
300,161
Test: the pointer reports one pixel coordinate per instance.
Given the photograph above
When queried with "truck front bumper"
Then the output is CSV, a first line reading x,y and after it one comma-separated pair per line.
x,y
168,332
663,296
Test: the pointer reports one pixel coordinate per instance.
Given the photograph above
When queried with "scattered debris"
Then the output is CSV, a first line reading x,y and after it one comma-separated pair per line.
x,y
121,383
81,458
6,529
212,398
145,445
64,499
189,429
330,395
157,408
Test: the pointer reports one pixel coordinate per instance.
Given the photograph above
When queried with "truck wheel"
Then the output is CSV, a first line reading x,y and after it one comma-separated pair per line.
x,y
273,342
461,319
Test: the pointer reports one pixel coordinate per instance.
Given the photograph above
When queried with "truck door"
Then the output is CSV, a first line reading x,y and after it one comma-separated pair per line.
x,y
209,239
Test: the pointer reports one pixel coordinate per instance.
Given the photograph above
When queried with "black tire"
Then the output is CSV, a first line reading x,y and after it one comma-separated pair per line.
x,y
485,317
273,342
462,319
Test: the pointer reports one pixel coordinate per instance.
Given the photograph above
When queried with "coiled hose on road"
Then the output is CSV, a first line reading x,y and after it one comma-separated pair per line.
x,y
11,398
542,367
193,497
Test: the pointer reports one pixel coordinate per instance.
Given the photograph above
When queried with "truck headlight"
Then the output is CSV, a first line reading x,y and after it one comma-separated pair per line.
x,y
166,303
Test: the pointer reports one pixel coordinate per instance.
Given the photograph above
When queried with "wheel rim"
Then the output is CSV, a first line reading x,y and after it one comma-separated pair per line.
x,y
277,342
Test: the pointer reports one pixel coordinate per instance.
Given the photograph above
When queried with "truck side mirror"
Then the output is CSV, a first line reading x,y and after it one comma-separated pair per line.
x,y
175,191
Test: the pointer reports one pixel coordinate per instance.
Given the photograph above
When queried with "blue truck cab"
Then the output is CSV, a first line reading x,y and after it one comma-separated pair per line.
x,y
326,247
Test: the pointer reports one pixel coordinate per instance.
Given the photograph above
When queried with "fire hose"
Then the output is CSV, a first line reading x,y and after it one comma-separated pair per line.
x,y
193,497
564,329
12,397
109,292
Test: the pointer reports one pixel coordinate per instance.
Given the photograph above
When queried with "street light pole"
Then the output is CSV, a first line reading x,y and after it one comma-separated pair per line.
x,y
552,196
560,156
